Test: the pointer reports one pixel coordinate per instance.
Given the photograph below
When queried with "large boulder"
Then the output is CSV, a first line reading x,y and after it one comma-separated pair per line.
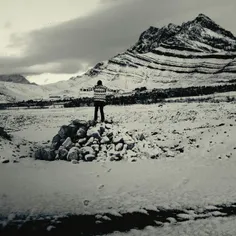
x,y
62,153
44,154
56,142
73,154
64,131
81,133
86,150
67,143
72,130
94,132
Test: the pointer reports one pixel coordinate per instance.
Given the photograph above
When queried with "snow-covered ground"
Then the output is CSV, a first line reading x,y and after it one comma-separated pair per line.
x,y
200,177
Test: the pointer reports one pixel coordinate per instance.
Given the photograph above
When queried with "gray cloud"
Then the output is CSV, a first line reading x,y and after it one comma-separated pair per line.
x,y
7,25
104,34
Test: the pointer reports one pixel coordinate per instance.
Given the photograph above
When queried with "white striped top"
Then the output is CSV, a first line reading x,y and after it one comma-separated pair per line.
x,y
100,93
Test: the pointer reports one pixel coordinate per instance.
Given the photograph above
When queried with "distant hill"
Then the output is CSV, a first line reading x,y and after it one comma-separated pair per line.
x,y
14,78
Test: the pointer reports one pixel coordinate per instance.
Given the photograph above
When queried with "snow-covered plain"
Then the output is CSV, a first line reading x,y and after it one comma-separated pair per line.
x,y
199,178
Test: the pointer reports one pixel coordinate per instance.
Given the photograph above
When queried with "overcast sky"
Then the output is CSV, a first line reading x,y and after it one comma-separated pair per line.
x,y
55,39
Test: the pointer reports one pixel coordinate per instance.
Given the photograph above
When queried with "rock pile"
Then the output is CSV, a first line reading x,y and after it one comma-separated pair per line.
x,y
88,141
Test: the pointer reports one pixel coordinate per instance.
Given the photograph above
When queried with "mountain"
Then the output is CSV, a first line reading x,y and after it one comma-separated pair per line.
x,y
14,78
197,53
15,87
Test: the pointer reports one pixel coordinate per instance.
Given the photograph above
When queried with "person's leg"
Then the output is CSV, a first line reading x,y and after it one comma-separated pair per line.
x,y
95,111
102,112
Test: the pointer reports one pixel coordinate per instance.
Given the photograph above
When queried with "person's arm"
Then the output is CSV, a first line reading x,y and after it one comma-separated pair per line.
x,y
111,90
90,88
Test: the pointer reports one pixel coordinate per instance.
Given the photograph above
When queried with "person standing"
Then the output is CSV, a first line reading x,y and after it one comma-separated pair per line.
x,y
99,100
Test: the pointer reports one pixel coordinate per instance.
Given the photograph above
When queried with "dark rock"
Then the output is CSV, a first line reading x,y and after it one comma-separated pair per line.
x,y
21,157
68,143
180,149
72,130
56,142
62,154
116,158
91,123
140,136
79,123
222,124
130,145
81,133
110,134
64,132
73,154
89,157
45,154
102,129
95,147
86,150
5,161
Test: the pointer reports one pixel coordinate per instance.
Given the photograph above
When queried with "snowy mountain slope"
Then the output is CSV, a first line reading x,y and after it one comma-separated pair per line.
x,y
10,92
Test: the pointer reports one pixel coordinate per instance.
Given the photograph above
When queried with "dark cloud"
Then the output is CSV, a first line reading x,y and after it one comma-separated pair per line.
x,y
104,34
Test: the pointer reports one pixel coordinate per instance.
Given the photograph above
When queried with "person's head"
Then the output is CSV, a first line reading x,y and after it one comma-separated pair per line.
x,y
99,82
